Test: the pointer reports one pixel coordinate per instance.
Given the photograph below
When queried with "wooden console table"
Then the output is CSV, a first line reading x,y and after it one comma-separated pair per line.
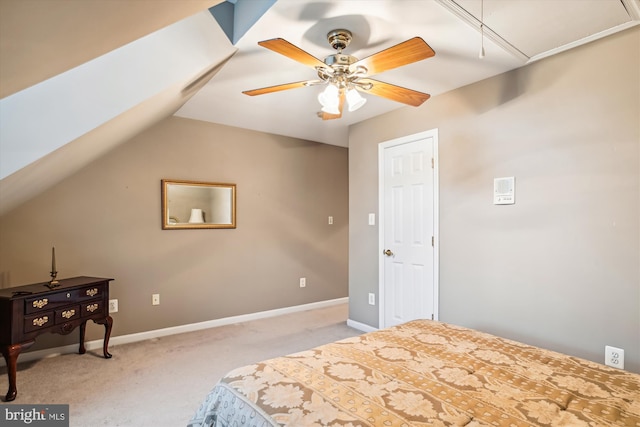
x,y
31,310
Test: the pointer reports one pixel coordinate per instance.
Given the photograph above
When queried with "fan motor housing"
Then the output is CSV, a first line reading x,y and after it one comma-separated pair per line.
x,y
340,59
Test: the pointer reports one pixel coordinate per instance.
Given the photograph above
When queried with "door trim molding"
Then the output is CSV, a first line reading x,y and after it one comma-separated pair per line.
x,y
433,133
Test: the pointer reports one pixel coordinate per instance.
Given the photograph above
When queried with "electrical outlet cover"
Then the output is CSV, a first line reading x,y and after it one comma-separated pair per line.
x,y
113,306
614,357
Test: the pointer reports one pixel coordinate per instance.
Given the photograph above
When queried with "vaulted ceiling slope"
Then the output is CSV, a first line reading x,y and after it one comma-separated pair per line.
x,y
46,115
77,78
126,65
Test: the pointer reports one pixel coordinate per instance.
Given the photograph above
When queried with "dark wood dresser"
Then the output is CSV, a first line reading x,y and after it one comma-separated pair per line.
x,y
31,310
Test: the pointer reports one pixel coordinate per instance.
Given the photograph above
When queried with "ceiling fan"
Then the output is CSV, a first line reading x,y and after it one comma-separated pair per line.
x,y
345,75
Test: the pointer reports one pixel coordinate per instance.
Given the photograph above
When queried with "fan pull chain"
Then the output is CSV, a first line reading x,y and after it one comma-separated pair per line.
x,y
481,55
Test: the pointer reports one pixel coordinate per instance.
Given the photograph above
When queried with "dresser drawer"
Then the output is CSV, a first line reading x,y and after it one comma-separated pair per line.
x,y
50,301
65,314
38,321
92,307
62,298
92,292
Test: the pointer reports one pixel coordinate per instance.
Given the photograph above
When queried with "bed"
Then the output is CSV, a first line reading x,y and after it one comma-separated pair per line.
x,y
423,373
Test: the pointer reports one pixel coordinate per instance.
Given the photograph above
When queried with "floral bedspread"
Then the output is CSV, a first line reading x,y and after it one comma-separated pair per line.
x,y
424,373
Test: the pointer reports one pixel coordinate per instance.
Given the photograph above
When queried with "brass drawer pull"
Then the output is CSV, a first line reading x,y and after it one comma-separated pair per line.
x,y
68,314
40,303
92,307
92,292
41,321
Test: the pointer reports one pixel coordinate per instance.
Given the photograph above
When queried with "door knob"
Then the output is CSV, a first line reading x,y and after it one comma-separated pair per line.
x,y
387,252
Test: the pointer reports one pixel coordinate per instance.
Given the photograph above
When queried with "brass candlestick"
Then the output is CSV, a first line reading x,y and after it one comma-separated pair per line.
x,y
53,282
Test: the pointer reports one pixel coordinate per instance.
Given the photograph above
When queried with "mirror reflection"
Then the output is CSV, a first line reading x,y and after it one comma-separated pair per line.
x,y
193,204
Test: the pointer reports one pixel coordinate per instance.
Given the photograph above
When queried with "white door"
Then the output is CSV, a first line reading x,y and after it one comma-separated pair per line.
x,y
408,187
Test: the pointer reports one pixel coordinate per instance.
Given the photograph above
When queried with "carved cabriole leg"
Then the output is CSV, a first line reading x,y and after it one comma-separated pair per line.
x,y
10,353
83,327
108,323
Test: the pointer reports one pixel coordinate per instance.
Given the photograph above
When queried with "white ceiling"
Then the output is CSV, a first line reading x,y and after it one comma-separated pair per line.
x,y
516,32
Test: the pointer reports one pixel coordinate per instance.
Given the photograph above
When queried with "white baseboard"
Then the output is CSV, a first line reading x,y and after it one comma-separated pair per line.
x,y
360,326
157,333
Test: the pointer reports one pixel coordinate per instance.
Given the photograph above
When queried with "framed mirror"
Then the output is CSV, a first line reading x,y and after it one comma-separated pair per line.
x,y
195,205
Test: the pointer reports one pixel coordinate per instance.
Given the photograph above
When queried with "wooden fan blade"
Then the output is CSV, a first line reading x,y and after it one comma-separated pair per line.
x,y
407,52
395,93
276,88
289,50
329,116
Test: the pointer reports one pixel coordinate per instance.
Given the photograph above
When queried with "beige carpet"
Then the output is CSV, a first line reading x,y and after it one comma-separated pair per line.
x,y
161,382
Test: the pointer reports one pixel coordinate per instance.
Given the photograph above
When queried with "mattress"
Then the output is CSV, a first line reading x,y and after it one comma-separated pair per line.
x,y
423,373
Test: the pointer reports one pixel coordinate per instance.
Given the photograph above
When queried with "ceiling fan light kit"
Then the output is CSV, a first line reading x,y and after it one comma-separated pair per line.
x,y
330,99
345,75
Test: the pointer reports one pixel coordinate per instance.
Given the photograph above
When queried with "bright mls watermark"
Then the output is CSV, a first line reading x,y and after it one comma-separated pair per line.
x,y
35,415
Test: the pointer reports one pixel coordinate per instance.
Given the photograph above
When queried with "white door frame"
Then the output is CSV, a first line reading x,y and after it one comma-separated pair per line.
x,y
433,133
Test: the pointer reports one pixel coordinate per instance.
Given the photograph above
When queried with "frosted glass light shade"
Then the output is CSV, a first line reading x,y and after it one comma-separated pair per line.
x,y
197,217
330,97
355,100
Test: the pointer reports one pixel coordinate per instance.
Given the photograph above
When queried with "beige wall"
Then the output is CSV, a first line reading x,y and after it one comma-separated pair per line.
x,y
561,267
105,221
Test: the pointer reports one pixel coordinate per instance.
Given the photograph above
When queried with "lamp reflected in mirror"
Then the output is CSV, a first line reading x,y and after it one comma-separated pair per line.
x,y
197,216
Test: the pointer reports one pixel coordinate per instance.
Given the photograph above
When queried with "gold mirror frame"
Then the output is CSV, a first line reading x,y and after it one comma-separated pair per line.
x,y
198,205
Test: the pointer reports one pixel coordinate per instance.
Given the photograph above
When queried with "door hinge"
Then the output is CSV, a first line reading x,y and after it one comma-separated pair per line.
x,y
432,241
432,163
431,316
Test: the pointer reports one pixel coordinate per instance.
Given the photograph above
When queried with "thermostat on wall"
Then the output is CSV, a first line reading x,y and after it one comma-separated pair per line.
x,y
504,191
